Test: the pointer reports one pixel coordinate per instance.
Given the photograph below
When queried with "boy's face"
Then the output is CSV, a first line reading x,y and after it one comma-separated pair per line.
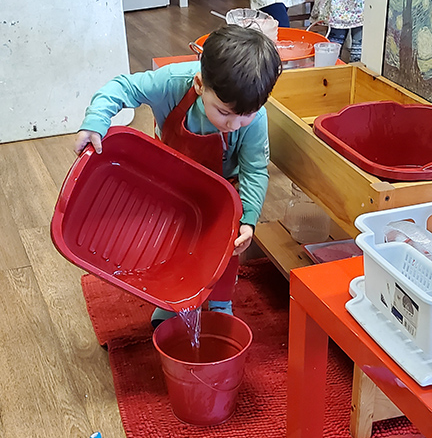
x,y
219,113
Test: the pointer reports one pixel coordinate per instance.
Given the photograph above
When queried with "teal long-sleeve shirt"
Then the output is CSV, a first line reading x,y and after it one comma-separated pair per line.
x,y
248,148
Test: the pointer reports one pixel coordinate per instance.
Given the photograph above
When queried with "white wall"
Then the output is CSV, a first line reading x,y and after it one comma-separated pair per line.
x,y
54,54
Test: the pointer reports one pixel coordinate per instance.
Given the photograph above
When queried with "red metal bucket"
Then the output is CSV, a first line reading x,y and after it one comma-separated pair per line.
x,y
147,219
203,390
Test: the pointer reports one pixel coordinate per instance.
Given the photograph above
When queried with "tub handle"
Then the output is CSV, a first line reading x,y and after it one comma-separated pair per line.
x,y
427,166
71,178
319,22
214,387
414,166
196,48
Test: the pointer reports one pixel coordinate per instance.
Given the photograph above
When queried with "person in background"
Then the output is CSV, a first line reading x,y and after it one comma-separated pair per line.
x,y
278,10
211,110
342,16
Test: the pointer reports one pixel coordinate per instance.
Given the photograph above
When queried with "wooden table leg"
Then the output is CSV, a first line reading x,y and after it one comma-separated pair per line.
x,y
368,404
362,405
307,365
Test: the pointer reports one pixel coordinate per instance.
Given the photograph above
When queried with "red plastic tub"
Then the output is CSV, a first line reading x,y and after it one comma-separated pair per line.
x,y
147,219
292,44
387,139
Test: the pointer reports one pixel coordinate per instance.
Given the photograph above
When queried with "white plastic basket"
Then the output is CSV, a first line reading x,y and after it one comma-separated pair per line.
x,y
398,278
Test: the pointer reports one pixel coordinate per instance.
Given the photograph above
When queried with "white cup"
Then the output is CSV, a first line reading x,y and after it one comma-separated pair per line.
x,y
326,54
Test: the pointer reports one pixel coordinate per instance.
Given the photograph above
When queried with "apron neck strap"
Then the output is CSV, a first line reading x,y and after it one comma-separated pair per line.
x,y
188,99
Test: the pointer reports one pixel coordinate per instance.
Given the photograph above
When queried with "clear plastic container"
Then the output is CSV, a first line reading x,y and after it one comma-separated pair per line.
x,y
254,19
305,220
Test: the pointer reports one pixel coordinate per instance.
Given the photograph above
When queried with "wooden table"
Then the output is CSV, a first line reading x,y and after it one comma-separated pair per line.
x,y
344,190
317,311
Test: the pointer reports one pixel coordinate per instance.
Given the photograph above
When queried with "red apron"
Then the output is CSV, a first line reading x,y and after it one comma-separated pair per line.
x,y
204,149
207,150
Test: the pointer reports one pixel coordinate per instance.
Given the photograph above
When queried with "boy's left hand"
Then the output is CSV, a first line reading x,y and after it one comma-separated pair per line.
x,y
244,240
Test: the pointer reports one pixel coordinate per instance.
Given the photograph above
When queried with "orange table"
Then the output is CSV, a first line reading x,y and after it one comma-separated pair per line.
x,y
317,311
159,62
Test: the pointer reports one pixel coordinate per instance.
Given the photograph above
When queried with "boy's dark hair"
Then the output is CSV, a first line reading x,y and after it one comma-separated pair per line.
x,y
241,66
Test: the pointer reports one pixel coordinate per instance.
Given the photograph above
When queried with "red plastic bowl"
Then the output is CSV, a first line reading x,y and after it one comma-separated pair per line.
x,y
387,139
147,219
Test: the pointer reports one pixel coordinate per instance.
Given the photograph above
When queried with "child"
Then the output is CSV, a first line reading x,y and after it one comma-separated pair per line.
x,y
342,16
211,110
278,10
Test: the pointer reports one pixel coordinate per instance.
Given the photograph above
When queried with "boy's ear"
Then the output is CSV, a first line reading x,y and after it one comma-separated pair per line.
x,y
198,84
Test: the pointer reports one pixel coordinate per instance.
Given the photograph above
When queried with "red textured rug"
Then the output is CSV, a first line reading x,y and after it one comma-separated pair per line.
x,y
122,322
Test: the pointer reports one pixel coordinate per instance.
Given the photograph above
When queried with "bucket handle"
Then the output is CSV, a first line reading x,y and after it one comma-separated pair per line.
x,y
213,387
319,22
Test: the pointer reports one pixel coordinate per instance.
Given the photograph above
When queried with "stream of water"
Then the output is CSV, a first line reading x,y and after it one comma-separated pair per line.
x,y
192,320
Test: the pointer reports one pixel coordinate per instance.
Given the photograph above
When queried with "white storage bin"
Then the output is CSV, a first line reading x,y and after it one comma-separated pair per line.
x,y
398,278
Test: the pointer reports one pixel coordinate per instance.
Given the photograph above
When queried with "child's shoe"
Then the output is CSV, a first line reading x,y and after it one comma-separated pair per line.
x,y
220,306
160,315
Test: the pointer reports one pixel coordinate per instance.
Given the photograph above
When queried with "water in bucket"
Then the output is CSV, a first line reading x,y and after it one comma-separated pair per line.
x,y
211,349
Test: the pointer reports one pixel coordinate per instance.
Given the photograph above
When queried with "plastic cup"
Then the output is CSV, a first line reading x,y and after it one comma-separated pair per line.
x,y
326,54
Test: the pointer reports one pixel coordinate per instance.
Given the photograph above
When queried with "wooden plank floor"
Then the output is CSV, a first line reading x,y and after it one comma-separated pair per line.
x,y
55,380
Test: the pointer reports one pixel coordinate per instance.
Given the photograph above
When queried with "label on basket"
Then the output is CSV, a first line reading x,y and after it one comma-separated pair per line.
x,y
405,310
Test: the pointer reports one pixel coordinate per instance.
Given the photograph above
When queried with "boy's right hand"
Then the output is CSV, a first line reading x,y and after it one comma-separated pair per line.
x,y
84,137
